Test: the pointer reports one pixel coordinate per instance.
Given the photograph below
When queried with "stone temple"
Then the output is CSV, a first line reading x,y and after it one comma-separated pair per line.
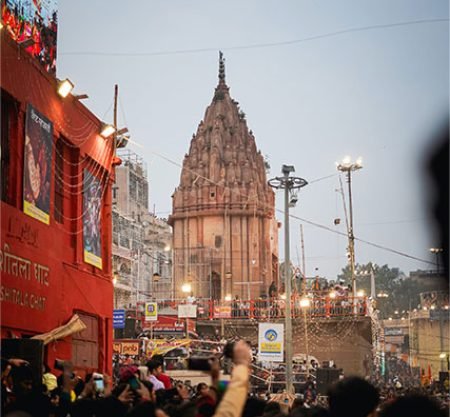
x,y
225,235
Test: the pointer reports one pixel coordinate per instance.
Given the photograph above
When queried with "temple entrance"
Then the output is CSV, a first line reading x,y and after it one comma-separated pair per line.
x,y
215,286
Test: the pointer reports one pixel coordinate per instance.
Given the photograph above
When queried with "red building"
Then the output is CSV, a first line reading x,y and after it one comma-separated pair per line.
x,y
56,179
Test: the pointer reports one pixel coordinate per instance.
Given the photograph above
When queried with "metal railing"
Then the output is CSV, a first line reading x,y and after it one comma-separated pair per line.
x,y
261,309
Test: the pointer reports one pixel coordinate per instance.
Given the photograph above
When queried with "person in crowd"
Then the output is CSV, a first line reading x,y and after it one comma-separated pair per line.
x,y
165,379
353,397
155,369
273,291
413,406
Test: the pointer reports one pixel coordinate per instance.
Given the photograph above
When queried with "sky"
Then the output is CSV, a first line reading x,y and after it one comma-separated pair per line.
x,y
380,93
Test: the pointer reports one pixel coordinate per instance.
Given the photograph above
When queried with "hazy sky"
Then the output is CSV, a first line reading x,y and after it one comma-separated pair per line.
x,y
378,93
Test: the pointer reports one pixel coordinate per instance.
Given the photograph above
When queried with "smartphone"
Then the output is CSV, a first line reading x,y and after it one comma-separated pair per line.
x,y
133,383
99,385
199,364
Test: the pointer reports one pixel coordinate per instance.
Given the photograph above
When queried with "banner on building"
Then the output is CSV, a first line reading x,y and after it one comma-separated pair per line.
x,y
271,342
37,165
127,348
151,311
222,312
187,311
92,204
162,346
34,24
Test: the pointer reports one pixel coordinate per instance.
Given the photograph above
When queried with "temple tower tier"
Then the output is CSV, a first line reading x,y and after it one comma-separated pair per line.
x,y
225,235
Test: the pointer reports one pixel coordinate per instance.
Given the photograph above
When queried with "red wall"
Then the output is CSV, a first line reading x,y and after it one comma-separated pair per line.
x,y
70,285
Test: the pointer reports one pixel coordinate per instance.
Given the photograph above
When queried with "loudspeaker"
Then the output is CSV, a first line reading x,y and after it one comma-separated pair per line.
x,y
443,376
129,332
325,377
29,349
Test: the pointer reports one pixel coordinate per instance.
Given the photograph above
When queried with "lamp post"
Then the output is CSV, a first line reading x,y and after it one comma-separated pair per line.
x,y
437,252
288,184
348,167
304,304
186,289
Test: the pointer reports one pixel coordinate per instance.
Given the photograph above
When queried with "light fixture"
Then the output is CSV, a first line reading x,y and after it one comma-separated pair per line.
x,y
347,159
167,248
228,297
396,312
403,318
107,130
390,318
65,87
283,296
80,96
305,302
122,141
360,293
333,294
433,307
442,355
186,288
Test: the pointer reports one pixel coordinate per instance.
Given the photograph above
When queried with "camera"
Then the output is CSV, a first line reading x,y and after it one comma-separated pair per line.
x,y
99,382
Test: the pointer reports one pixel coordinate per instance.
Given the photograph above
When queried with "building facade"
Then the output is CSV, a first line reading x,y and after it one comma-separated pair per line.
x,y
56,180
225,233
142,253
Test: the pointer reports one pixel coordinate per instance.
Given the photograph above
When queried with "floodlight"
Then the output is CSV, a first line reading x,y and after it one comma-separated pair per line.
x,y
107,130
65,87
186,288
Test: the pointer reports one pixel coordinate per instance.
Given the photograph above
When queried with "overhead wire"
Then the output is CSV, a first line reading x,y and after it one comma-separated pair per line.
x,y
260,45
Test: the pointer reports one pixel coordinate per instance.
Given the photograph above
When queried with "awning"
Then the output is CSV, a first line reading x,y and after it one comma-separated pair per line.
x,y
74,325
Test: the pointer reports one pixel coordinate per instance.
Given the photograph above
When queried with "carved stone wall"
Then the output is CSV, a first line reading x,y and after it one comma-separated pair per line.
x,y
223,209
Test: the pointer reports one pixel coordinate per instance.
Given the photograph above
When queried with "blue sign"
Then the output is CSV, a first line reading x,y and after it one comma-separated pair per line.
x,y
118,319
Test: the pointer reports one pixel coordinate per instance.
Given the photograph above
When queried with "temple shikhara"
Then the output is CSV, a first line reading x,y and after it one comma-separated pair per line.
x,y
225,234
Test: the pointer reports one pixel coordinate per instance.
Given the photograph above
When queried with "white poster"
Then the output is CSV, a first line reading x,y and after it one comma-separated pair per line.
x,y
271,342
187,311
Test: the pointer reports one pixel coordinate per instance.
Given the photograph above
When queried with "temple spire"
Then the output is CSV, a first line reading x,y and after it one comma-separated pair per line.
x,y
221,68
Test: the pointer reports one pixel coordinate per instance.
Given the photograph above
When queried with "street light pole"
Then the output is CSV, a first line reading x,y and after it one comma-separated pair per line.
x,y
437,252
347,166
288,184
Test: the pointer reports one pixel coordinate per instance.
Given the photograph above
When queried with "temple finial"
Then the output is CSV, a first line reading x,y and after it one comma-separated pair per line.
x,y
221,68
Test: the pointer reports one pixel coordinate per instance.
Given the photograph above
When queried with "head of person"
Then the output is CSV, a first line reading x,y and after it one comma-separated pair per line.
x,y
413,405
160,359
353,397
154,367
202,389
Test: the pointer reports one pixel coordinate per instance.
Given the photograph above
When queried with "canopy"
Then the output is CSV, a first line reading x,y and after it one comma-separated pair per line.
x,y
74,325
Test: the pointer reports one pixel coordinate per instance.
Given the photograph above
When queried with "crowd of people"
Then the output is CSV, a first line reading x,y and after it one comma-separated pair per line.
x,y
41,32
144,389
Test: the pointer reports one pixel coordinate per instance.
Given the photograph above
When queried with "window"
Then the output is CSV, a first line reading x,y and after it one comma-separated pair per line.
x,y
9,150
